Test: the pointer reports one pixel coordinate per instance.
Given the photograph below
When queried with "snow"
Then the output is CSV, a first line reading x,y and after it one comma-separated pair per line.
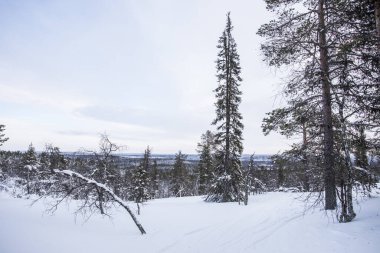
x,y
30,167
272,222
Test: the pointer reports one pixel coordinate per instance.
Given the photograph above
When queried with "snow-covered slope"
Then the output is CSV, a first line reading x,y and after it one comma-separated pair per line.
x,y
272,222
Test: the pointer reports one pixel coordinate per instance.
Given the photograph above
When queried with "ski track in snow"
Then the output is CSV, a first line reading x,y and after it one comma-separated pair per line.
x,y
272,222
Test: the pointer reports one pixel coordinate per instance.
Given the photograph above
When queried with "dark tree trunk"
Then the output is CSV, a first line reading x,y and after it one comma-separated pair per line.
x,y
329,174
306,183
100,199
377,17
27,183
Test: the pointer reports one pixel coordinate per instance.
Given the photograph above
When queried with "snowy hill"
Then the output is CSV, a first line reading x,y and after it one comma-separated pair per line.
x,y
272,222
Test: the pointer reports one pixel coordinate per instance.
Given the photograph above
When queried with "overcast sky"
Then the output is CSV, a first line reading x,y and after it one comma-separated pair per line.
x,y
141,71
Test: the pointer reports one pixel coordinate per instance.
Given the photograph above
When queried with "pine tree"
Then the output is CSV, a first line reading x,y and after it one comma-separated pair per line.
x,y
299,39
205,165
302,119
52,158
331,47
2,138
227,180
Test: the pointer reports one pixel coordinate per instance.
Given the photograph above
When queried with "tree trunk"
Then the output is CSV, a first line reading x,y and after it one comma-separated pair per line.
x,y
246,190
377,17
377,20
228,115
27,183
100,199
306,183
329,174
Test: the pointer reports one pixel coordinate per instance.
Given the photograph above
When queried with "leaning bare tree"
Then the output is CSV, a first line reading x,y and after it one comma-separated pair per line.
x,y
90,178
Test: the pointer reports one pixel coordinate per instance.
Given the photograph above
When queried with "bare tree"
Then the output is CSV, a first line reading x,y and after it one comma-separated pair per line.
x,y
83,182
91,180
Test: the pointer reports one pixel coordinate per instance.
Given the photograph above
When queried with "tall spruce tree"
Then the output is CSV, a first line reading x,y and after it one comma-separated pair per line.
x,y
227,180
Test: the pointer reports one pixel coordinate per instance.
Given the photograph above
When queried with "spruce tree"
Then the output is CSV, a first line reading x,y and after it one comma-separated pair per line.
x,y
29,159
360,148
146,162
2,138
227,180
154,180
205,165
140,184
29,163
140,179
178,182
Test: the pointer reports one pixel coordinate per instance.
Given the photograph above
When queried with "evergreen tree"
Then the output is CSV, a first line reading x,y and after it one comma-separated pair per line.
x,y
298,39
227,180
279,164
298,119
154,179
361,148
205,165
251,166
52,158
248,176
2,138
146,162
140,184
29,165
178,184
140,179
29,158
331,47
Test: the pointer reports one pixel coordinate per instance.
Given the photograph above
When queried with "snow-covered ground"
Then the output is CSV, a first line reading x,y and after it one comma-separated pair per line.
x,y
272,222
